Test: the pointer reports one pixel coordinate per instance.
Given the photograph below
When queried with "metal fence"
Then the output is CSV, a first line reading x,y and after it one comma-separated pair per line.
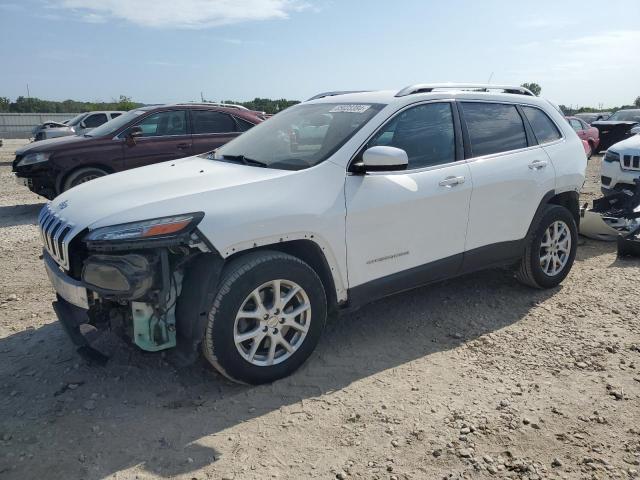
x,y
19,125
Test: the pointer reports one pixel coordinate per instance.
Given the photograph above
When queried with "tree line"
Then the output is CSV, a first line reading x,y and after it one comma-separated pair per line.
x,y
37,105
268,105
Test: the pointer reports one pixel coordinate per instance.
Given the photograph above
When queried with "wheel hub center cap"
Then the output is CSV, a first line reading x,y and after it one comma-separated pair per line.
x,y
272,322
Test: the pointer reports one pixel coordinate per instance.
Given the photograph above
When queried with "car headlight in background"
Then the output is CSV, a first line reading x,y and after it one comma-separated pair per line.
x,y
158,228
611,157
33,158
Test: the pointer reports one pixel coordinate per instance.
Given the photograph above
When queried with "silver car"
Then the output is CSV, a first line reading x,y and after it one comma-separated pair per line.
x,y
78,125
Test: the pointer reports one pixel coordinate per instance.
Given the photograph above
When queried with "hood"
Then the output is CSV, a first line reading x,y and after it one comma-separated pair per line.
x,y
631,143
52,144
180,186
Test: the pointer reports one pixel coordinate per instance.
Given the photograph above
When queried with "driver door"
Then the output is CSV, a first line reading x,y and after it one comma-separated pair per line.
x,y
165,136
407,228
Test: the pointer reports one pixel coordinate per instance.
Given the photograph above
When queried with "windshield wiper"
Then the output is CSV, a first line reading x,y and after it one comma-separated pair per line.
x,y
245,161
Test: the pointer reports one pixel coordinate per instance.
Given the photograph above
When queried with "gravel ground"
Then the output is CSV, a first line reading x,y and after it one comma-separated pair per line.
x,y
473,378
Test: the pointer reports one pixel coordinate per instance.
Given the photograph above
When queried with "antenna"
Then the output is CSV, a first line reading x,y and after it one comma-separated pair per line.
x,y
490,77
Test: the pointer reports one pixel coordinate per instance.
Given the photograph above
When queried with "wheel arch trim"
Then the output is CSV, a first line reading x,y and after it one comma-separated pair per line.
x,y
280,242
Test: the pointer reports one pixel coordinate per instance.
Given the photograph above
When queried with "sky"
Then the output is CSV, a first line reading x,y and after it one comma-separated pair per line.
x,y
582,53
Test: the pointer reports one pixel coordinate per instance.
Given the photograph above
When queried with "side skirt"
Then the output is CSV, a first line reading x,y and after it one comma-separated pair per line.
x,y
490,256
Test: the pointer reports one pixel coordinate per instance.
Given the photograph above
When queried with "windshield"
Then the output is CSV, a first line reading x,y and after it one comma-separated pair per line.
x,y
626,116
114,125
301,136
76,120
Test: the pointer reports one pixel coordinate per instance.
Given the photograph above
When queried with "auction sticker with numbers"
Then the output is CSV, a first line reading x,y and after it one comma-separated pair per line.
x,y
350,108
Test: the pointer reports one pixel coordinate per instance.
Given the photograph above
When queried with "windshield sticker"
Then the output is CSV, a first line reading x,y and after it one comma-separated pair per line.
x,y
350,109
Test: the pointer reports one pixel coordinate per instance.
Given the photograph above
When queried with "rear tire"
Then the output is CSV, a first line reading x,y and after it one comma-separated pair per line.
x,y
551,250
82,175
277,339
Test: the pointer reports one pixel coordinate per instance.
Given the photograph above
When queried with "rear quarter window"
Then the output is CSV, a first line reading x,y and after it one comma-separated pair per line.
x,y
543,127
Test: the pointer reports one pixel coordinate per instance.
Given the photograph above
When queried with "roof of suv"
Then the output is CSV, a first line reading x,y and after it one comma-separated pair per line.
x,y
415,93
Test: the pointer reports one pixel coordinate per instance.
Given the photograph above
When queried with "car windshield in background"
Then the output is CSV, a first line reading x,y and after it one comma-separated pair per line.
x,y
76,120
114,125
625,116
299,137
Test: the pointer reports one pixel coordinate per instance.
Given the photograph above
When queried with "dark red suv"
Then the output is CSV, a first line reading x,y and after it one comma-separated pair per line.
x,y
137,138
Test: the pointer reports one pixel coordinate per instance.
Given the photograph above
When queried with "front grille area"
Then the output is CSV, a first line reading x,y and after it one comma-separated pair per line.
x,y
54,231
631,162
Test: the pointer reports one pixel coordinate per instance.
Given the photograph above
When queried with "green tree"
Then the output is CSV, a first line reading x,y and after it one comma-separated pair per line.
x,y
125,103
535,88
5,103
637,102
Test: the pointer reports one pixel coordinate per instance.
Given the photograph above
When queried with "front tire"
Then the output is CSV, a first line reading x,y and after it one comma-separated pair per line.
x,y
82,175
551,250
266,319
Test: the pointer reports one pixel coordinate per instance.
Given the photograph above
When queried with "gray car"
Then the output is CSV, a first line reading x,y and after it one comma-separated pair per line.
x,y
78,125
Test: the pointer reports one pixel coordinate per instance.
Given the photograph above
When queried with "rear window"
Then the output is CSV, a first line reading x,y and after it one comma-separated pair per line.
x,y
206,121
493,128
543,127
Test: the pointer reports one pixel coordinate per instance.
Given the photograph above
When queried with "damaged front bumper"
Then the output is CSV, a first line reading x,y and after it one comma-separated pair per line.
x,y
157,299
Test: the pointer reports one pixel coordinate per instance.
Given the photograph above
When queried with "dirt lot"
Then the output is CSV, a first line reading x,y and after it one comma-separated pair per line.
x,y
474,378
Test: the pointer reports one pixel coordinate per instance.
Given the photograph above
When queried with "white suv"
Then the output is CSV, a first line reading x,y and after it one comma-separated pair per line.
x,y
330,204
621,165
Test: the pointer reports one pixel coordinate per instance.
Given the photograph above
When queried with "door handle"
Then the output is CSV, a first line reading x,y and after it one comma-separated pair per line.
x,y
183,146
538,164
451,182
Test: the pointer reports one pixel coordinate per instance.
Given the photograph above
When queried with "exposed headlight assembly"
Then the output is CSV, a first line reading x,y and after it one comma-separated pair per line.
x,y
155,229
33,158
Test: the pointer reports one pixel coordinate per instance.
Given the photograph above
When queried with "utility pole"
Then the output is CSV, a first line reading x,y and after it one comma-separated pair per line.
x,y
201,97
28,94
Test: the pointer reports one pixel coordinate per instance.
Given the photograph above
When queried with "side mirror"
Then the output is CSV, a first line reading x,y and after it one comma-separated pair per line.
x,y
381,159
133,133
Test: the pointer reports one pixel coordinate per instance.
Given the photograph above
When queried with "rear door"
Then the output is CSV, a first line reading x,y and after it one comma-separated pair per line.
x,y
165,136
511,174
212,129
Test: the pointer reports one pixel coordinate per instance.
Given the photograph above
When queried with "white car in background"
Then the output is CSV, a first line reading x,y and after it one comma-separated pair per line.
x,y
621,165
330,204
78,125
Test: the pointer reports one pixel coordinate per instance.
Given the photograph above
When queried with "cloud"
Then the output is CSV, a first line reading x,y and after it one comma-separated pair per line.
x,y
183,13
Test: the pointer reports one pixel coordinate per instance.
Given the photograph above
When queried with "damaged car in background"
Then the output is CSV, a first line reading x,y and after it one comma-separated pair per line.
x,y
78,125
617,127
615,218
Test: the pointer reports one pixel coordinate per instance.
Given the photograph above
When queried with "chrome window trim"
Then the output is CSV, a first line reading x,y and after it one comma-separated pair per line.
x,y
450,101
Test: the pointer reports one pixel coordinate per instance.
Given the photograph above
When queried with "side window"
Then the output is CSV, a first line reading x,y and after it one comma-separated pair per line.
x,y
577,126
243,125
164,123
206,121
425,132
95,120
543,128
114,115
493,128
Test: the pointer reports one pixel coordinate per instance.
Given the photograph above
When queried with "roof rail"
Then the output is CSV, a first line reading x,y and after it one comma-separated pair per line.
x,y
430,87
333,94
215,104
